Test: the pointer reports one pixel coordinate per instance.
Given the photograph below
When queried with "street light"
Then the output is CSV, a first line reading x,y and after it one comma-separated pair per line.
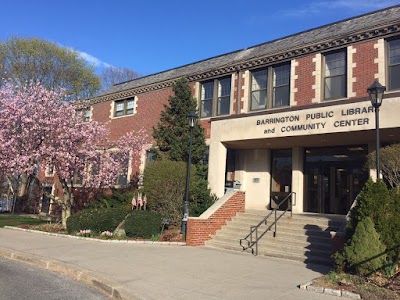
x,y
375,92
192,117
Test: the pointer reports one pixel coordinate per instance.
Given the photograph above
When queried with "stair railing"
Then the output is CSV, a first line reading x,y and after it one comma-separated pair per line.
x,y
253,237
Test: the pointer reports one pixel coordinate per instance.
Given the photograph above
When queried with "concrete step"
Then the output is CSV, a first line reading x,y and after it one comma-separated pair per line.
x,y
295,221
305,256
282,229
303,238
321,244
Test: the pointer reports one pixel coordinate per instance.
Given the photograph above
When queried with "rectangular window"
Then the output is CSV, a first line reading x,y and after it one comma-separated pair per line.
x,y
281,93
215,97
259,81
394,64
207,92
335,73
87,114
124,107
270,87
122,178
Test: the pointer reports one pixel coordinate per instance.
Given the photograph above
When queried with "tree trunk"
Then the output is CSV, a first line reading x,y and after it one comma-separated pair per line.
x,y
67,203
65,213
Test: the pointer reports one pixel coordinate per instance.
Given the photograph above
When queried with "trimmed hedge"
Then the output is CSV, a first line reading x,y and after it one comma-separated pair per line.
x,y
143,223
97,220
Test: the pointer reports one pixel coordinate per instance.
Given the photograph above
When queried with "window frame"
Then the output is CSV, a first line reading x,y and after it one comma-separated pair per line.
x,y
324,77
87,114
270,87
125,110
389,65
216,98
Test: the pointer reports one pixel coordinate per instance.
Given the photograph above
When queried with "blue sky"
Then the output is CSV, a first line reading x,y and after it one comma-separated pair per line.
x,y
153,36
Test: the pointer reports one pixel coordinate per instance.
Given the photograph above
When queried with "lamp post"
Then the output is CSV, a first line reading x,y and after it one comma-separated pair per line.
x,y
192,117
375,92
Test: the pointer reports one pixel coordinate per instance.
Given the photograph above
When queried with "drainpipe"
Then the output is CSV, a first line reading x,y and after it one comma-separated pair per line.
x,y
238,86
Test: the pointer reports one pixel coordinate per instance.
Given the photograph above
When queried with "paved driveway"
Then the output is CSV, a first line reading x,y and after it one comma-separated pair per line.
x,y
173,272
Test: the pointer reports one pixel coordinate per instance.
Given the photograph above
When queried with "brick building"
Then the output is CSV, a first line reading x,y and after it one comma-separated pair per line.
x,y
288,116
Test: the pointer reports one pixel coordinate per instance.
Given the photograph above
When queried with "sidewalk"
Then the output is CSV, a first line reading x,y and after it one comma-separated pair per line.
x,y
141,271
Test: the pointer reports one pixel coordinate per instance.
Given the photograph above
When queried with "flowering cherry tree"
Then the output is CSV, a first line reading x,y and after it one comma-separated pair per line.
x,y
39,129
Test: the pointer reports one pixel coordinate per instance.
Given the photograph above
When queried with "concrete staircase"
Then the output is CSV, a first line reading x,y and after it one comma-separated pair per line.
x,y
303,237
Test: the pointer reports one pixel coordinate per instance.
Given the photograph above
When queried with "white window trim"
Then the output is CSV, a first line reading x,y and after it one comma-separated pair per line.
x,y
112,107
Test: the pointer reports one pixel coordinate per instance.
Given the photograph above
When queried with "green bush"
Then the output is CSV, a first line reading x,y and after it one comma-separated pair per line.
x,y
365,253
164,183
143,223
96,219
202,197
382,206
119,197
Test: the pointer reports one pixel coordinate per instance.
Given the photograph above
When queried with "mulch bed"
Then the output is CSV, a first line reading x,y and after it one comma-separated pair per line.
x,y
375,287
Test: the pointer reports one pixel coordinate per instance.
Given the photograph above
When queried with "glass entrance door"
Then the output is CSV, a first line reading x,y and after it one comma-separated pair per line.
x,y
333,178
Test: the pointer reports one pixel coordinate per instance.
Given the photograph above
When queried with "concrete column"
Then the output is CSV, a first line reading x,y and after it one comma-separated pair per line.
x,y
298,177
257,179
216,168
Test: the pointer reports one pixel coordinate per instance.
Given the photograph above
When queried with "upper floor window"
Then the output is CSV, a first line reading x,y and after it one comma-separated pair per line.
x,y
124,107
87,114
335,75
215,97
270,87
394,64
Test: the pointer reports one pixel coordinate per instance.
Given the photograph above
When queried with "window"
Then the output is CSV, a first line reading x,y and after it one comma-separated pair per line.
x,y
270,87
335,75
215,97
122,178
394,64
87,114
49,171
124,107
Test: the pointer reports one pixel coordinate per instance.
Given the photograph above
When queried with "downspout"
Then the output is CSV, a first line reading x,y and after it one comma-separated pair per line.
x,y
238,86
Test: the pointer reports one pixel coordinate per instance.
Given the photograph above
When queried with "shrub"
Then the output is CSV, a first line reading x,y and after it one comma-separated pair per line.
x,y
116,199
143,223
382,206
164,184
365,253
97,220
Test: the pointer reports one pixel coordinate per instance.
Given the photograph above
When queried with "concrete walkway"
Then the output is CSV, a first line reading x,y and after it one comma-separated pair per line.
x,y
142,271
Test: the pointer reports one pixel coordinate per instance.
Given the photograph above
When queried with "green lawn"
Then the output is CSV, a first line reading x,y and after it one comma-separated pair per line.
x,y
10,220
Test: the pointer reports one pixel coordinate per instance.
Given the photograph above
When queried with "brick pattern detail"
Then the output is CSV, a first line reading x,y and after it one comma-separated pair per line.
x,y
366,67
305,80
206,124
201,230
235,94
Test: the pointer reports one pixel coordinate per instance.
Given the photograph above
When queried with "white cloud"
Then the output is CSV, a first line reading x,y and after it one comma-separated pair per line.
x,y
93,60
358,6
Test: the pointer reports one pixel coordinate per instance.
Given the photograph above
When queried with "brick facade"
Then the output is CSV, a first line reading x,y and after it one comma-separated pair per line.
x,y
365,67
148,109
305,80
200,230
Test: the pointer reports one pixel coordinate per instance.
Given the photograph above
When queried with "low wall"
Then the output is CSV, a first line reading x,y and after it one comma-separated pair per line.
x,y
201,229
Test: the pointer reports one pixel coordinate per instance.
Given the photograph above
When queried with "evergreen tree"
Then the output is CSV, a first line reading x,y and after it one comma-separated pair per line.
x,y
172,137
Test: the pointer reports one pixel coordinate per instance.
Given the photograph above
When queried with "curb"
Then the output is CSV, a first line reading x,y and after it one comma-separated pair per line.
x,y
105,286
328,291
97,240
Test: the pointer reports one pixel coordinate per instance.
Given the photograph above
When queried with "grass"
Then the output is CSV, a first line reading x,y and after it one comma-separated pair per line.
x,y
10,220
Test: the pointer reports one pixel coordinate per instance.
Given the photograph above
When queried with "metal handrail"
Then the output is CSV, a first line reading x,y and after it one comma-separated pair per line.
x,y
254,229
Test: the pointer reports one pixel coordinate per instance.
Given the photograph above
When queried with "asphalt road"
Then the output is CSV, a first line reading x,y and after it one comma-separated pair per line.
x,y
21,281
